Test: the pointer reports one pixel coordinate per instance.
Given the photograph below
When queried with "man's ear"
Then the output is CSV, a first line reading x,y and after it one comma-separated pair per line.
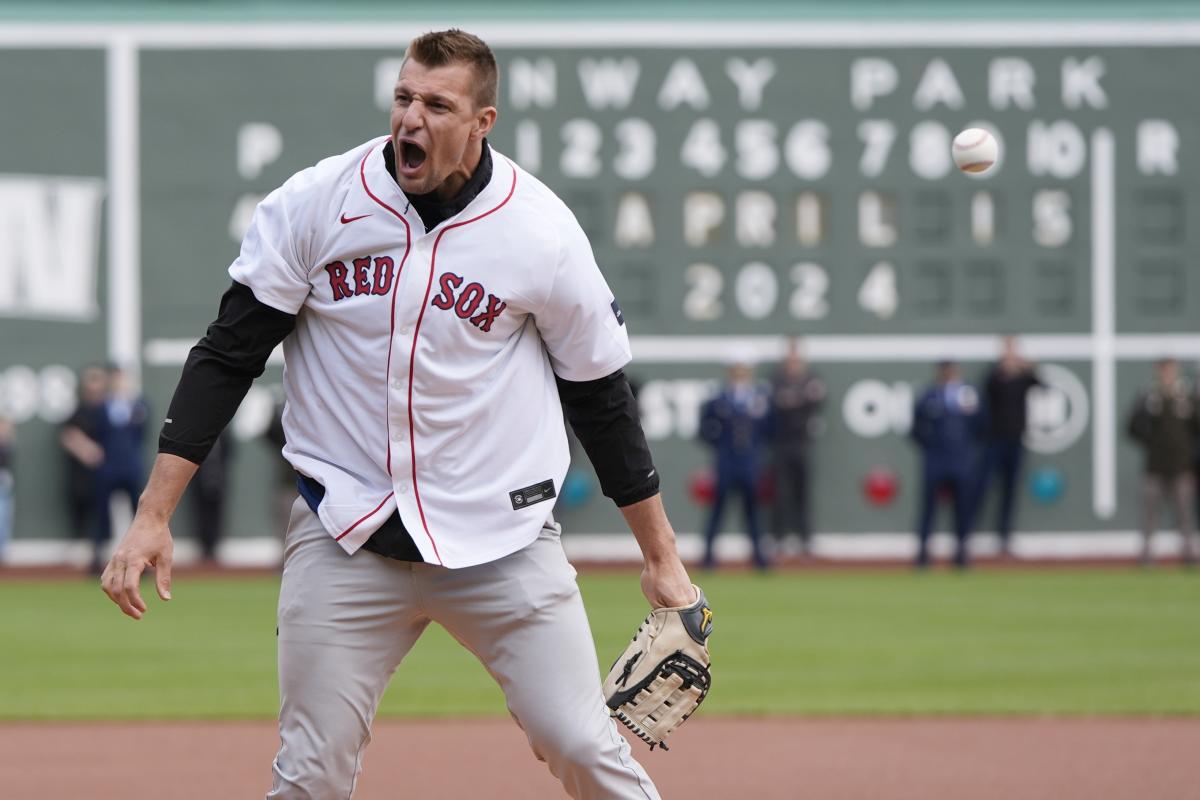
x,y
485,120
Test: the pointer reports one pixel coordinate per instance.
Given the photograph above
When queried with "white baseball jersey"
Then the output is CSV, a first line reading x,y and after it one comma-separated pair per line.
x,y
420,374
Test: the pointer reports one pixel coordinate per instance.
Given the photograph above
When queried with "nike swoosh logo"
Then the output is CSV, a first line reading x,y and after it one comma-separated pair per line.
x,y
346,219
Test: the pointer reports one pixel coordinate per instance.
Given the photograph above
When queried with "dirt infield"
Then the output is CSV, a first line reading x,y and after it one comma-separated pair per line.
x,y
712,758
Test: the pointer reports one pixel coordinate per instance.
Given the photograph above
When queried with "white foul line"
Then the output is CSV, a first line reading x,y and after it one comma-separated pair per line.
x,y
1104,379
124,272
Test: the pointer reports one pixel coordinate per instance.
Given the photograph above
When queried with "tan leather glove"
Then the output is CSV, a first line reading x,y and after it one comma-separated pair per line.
x,y
663,675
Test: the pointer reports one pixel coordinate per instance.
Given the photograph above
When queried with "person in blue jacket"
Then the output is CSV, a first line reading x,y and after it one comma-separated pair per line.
x,y
946,422
734,423
121,434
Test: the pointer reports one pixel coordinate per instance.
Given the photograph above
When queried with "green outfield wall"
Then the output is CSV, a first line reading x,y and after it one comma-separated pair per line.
x,y
742,181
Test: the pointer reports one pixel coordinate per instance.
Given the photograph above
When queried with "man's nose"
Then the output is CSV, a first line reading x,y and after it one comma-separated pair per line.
x,y
414,116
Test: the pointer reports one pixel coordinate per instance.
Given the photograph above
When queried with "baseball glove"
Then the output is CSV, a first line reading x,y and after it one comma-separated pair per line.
x,y
663,674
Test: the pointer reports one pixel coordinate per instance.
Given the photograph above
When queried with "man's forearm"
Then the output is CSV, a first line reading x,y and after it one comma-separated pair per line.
x,y
665,582
655,536
167,482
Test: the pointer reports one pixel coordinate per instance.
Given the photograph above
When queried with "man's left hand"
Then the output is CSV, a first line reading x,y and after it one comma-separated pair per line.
x,y
667,585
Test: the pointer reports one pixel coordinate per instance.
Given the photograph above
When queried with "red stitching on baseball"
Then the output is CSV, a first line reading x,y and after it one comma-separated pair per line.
x,y
983,135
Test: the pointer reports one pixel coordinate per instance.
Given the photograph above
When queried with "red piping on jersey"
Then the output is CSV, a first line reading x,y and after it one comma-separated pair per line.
x,y
364,518
412,359
387,377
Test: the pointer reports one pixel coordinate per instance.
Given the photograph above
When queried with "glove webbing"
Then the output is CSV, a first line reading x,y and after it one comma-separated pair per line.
x,y
677,673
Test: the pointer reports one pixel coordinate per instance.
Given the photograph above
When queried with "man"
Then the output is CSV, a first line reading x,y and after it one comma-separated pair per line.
x,y
121,434
944,427
734,424
796,398
79,438
1005,395
429,295
1165,423
208,488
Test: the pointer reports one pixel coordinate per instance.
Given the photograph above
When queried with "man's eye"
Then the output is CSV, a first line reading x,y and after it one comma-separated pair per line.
x,y
402,99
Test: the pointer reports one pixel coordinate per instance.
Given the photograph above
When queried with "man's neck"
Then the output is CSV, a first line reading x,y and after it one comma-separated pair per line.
x,y
434,207
457,179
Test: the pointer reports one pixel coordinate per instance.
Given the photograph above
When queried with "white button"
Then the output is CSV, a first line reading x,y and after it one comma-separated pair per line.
x,y
404,331
398,436
397,383
404,488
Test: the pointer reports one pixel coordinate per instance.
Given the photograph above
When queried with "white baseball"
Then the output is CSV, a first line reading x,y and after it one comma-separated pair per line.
x,y
975,150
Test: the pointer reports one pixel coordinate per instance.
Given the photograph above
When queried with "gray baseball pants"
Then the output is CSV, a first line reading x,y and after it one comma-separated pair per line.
x,y
346,622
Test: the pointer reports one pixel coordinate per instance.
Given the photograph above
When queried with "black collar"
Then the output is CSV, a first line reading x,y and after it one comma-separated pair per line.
x,y
434,210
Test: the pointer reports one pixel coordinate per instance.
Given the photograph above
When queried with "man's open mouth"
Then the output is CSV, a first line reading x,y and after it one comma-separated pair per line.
x,y
412,156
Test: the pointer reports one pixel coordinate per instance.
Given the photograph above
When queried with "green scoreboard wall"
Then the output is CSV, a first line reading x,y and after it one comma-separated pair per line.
x,y
741,184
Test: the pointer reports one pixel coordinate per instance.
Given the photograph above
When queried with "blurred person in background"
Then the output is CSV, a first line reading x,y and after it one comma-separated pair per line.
x,y
796,399
945,427
122,470
79,438
734,423
1196,446
1165,422
1005,398
285,476
208,491
7,445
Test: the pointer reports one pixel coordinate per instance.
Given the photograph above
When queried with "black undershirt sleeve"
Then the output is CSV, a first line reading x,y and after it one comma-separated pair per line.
x,y
603,414
219,371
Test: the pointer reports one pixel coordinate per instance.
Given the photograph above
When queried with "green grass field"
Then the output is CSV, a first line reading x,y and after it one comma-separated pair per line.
x,y
1038,642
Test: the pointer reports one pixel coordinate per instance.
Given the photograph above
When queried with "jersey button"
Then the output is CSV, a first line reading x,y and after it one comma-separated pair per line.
x,y
397,383
404,488
398,436
404,331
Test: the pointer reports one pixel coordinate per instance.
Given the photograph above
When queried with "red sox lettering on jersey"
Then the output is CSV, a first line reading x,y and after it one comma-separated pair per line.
x,y
468,301
447,346
340,275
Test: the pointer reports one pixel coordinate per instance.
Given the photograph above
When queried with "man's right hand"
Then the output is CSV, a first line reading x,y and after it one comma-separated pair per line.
x,y
148,542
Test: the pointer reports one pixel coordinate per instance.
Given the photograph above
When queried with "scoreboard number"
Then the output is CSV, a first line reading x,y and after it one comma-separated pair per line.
x,y
808,299
878,294
702,149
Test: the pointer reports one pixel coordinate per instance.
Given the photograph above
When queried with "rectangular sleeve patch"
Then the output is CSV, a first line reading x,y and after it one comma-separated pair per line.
x,y
617,312
531,494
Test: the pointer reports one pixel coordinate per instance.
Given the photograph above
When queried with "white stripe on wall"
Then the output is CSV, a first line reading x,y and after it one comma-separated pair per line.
x,y
265,551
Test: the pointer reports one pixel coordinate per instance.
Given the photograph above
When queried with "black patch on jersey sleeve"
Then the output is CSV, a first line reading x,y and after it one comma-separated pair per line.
x,y
617,312
531,494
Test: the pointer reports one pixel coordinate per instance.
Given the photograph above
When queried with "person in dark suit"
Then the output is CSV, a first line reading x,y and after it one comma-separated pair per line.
x,y
1165,423
734,423
208,492
121,435
796,398
945,422
1005,397
79,438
